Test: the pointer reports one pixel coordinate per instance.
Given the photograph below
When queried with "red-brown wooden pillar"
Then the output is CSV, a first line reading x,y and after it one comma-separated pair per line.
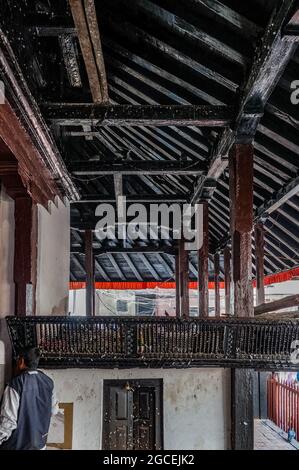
x,y
259,262
203,266
184,278
216,282
25,256
89,267
227,279
241,215
241,204
177,286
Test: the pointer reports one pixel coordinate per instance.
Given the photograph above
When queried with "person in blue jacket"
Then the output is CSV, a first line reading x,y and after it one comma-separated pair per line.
x,y
27,405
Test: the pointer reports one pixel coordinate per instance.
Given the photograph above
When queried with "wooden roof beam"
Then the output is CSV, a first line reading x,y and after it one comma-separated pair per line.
x,y
129,167
85,19
76,114
136,249
271,58
167,198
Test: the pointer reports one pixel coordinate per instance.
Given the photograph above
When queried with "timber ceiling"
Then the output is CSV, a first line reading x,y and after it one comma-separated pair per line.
x,y
163,52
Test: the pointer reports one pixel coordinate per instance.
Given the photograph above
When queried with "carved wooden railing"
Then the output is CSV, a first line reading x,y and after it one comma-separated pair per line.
x,y
157,341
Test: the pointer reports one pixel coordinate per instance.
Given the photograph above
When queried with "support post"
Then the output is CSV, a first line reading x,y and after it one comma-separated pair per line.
x,y
242,409
259,262
184,278
241,203
203,266
89,266
25,256
227,279
177,285
216,281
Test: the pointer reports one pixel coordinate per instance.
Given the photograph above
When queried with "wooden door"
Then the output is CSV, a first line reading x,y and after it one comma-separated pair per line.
x,y
132,415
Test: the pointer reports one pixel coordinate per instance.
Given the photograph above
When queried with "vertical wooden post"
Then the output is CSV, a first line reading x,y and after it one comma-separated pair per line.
x,y
259,262
227,279
216,281
184,278
177,285
25,256
203,266
242,409
89,266
241,204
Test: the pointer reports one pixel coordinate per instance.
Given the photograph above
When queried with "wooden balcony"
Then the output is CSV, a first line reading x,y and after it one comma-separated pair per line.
x,y
109,342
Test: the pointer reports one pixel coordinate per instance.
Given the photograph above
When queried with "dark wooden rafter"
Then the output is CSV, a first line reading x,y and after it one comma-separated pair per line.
x,y
69,54
149,266
133,249
74,114
284,194
116,267
129,167
85,19
142,198
271,58
132,266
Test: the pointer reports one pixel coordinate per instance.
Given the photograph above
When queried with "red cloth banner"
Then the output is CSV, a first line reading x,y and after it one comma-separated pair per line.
x,y
135,285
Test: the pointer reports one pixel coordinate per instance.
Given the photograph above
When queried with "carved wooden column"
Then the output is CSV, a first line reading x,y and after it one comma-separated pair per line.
x,y
216,281
184,278
241,215
89,266
241,204
203,266
227,279
25,246
25,256
177,286
259,262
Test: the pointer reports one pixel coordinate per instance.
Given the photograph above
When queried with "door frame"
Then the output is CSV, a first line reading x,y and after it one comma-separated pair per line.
x,y
157,384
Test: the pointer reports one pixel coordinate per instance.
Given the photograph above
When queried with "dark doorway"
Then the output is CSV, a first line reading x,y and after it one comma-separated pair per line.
x,y
132,415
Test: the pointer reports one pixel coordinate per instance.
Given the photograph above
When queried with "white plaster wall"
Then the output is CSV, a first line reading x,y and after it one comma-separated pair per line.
x,y
196,404
7,230
53,260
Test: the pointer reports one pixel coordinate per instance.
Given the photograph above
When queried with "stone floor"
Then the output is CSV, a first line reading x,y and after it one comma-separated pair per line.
x,y
268,437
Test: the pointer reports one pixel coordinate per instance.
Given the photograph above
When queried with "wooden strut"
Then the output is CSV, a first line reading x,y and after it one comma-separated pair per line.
x,y
285,302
